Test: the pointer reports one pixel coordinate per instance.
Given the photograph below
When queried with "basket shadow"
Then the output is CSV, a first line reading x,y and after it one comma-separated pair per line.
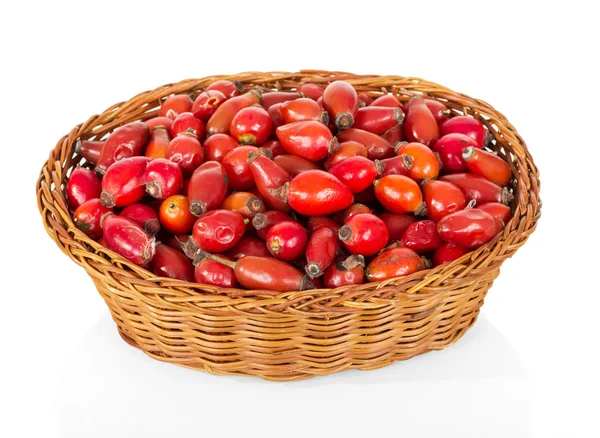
x,y
110,389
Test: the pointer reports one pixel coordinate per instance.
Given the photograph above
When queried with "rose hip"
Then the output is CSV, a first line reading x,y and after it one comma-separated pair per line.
x,y
448,252
500,211
175,215
388,100
357,173
419,124
208,188
220,121
186,122
316,222
488,165
355,209
469,228
309,139
294,165
364,234
207,103
127,141
278,97
263,222
237,169
394,262
478,188
378,148
244,203
269,177
398,194
82,186
176,241
421,236
128,239
394,135
378,119
143,215
438,109
321,250
170,263
442,198
89,149
364,100
336,275
287,240
217,146
317,193
87,217
215,273
341,102
425,164
249,246
398,165
186,151
251,126
228,88
159,142
450,148
163,178
267,273
347,149
276,119
152,123
396,224
274,149
312,91
218,230
175,105
124,182
464,125
301,110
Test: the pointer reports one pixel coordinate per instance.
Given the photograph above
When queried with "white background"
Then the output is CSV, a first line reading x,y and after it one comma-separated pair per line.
x,y
529,367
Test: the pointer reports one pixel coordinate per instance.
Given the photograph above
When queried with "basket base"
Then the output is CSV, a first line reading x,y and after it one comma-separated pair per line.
x,y
376,364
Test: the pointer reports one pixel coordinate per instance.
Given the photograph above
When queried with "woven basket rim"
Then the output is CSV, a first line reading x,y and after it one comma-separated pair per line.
x,y
526,208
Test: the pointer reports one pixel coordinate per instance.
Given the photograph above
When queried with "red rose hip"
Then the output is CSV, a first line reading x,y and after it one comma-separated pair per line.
x,y
207,188
420,124
186,151
287,240
448,252
128,239
163,178
228,88
125,142
321,250
143,215
442,198
170,263
308,139
357,173
465,125
251,126
218,230
217,146
269,178
124,182
341,102
399,194
82,186
469,228
364,234
450,148
394,262
87,217
317,193
488,165
207,103
421,237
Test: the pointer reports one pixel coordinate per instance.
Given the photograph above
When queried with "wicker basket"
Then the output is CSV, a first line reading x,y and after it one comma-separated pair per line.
x,y
293,335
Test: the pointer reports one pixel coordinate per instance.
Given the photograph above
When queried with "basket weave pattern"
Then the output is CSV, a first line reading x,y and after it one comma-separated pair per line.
x,y
293,335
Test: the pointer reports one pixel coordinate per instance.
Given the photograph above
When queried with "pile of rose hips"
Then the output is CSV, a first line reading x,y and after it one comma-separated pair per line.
x,y
286,191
